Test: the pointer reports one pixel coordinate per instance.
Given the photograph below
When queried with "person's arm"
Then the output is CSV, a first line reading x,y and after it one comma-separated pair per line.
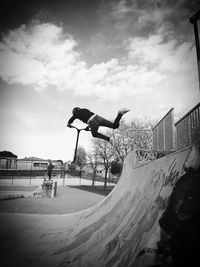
x,y
87,128
70,121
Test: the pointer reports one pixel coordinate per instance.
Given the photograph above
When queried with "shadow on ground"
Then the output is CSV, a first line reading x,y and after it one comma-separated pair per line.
x,y
95,189
67,200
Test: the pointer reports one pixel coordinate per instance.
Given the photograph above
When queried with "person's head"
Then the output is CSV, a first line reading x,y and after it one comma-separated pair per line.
x,y
75,110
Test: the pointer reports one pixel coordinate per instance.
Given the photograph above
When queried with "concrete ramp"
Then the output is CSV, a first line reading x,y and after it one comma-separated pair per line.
x,y
111,233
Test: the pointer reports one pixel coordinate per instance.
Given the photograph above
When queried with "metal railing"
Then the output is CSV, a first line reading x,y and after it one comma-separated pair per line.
x,y
163,133
188,128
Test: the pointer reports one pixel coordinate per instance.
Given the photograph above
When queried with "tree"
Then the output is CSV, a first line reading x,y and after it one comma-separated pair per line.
x,y
59,160
116,167
93,162
104,151
134,135
7,154
122,141
141,134
81,157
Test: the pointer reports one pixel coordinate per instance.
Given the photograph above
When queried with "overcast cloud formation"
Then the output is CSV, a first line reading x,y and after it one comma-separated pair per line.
x,y
44,55
101,54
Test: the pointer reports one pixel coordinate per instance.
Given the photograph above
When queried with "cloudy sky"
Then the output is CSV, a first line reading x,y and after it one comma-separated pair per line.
x,y
98,54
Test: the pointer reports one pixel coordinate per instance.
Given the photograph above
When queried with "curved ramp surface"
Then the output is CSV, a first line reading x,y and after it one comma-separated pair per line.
x,y
111,233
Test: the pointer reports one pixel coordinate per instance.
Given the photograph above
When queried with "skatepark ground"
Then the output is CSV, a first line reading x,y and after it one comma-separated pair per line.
x,y
111,233
68,199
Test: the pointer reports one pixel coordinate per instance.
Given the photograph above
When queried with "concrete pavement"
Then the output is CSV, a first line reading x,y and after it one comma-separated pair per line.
x,y
37,182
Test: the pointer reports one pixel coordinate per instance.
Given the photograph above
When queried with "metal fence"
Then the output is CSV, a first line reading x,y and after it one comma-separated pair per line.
x,y
163,133
188,128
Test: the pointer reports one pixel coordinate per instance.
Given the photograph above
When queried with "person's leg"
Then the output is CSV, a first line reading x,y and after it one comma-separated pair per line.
x,y
119,116
113,125
100,121
106,123
103,122
94,126
117,120
101,136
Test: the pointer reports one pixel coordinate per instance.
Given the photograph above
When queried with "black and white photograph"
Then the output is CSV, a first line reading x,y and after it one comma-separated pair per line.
x,y
99,133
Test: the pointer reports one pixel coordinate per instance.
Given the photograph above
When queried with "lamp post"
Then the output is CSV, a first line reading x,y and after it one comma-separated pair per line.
x,y
194,19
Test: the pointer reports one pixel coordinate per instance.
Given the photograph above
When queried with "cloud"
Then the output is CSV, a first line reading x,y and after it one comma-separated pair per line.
x,y
161,55
38,55
141,18
42,55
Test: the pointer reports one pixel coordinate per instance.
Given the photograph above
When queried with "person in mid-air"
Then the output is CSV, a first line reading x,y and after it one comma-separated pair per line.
x,y
94,121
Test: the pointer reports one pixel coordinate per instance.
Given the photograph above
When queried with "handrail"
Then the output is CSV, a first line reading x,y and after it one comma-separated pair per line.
x,y
162,118
71,126
188,113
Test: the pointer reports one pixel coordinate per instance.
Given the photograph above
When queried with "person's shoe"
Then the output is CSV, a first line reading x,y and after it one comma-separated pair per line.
x,y
123,111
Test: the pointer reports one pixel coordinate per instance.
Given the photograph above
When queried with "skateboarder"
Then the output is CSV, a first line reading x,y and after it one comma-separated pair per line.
x,y
94,121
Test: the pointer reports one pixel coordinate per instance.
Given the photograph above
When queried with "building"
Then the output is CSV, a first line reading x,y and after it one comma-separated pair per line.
x,y
33,163
8,160
100,169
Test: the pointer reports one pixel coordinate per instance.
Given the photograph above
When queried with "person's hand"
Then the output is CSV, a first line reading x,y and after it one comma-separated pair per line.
x,y
87,128
69,125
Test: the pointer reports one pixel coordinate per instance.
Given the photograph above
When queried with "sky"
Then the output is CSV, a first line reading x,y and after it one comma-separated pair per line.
x,y
97,54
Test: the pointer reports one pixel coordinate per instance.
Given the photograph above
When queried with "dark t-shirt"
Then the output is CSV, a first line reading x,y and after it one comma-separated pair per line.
x,y
82,114
50,168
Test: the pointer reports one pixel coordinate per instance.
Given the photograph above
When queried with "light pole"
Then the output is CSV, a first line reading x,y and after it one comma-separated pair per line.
x,y
194,19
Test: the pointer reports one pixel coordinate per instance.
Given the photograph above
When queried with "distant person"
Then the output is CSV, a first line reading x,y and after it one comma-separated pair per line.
x,y
94,121
50,169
